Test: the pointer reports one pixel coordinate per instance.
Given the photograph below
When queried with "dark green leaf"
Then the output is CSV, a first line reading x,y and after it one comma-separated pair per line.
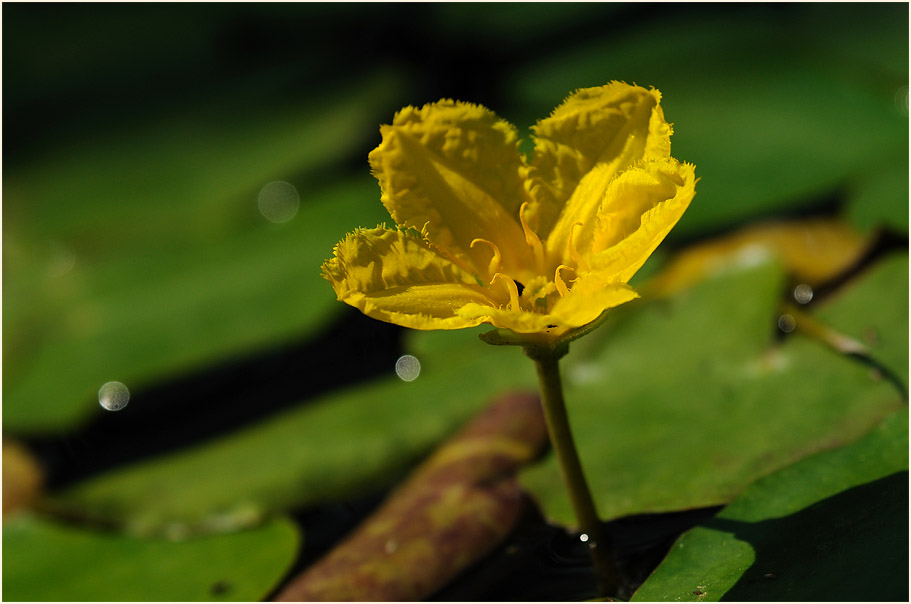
x,y
135,261
355,439
873,309
879,198
140,318
833,527
47,561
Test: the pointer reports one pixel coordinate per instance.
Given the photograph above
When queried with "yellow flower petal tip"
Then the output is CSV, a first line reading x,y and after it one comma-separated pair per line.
x,y
540,247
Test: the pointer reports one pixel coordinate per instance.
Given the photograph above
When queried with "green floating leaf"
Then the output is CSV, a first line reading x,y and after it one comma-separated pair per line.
x,y
880,197
348,442
189,181
45,561
833,527
874,310
134,261
689,400
766,114
136,320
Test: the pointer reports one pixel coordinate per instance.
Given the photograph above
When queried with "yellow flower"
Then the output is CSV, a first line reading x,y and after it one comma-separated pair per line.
x,y
539,248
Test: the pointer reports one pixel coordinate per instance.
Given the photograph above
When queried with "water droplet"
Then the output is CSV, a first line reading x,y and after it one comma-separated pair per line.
x,y
583,538
803,293
787,323
278,201
113,396
408,368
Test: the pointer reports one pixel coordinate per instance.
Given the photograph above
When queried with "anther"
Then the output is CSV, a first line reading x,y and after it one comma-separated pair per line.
x,y
494,266
513,290
559,282
531,238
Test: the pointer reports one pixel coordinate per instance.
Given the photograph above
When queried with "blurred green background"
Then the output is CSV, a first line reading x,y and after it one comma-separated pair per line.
x,y
144,243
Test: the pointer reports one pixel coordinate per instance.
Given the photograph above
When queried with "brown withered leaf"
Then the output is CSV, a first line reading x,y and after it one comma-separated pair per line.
x,y
812,251
455,508
22,477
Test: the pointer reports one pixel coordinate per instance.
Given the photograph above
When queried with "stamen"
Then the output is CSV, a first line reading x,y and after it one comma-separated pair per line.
x,y
532,239
573,252
559,282
494,266
513,290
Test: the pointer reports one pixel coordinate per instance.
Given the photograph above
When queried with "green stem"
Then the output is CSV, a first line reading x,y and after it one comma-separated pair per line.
x,y
561,438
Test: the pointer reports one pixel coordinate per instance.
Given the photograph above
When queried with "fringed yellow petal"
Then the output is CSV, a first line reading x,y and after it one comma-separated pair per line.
x,y
422,306
519,321
454,168
590,295
398,277
616,124
566,240
640,208
572,246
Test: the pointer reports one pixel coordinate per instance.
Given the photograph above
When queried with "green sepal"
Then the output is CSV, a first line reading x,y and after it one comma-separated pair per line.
x,y
540,345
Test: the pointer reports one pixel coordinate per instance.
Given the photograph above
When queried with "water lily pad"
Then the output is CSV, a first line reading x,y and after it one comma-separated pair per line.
x,y
348,442
873,309
833,527
688,400
47,561
135,262
142,318
879,198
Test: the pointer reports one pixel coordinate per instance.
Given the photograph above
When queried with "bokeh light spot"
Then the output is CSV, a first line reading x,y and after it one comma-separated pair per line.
x,y
787,323
278,201
408,368
803,293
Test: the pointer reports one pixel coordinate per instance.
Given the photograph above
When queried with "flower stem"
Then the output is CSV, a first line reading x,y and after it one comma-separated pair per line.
x,y
561,438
